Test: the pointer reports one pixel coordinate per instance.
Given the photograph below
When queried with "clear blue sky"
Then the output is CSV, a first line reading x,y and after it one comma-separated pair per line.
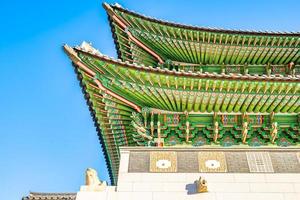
x,y
47,135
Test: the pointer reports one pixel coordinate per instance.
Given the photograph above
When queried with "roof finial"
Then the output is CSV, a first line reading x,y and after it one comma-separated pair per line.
x,y
118,5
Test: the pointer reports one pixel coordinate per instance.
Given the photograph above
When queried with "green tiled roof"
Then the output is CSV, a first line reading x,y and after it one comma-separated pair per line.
x,y
181,45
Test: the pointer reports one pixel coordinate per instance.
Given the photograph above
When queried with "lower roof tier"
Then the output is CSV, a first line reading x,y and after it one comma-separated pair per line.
x,y
192,92
135,105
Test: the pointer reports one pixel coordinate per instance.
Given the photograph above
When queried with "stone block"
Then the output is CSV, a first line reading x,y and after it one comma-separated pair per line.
x,y
228,187
237,162
148,187
139,162
272,187
249,196
174,187
291,196
86,195
285,162
249,178
124,162
297,187
141,196
130,177
283,178
211,177
169,195
187,162
124,187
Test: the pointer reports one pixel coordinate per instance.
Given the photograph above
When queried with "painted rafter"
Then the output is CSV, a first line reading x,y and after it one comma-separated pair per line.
x,y
156,89
159,79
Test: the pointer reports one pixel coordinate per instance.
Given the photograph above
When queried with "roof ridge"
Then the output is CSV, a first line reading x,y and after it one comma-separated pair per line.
x,y
199,28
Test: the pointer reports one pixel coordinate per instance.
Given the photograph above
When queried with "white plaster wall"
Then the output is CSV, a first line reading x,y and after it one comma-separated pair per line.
x,y
221,186
158,186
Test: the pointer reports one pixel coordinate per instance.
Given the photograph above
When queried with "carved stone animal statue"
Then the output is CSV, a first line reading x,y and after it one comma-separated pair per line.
x,y
201,185
92,182
91,177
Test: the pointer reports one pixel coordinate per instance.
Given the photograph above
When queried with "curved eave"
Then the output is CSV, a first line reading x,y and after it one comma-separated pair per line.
x,y
199,75
99,132
117,47
197,28
74,60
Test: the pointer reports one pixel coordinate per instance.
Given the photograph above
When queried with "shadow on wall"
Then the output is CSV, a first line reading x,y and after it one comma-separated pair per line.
x,y
191,188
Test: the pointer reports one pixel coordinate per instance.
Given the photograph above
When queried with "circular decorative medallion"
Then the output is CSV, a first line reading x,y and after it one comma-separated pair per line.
x,y
212,164
163,164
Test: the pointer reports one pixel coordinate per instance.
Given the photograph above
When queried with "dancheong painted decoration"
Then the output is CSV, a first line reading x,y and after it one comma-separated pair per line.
x,y
178,85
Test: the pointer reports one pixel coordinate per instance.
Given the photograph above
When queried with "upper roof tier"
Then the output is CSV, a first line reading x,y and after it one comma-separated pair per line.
x,y
144,40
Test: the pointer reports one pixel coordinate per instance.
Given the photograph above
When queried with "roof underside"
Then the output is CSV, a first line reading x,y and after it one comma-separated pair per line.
x,y
115,89
179,92
180,45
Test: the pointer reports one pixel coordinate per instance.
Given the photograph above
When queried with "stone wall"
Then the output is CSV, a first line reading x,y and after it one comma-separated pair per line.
x,y
274,176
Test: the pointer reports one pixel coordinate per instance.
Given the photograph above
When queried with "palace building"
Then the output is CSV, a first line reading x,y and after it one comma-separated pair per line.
x,y
187,112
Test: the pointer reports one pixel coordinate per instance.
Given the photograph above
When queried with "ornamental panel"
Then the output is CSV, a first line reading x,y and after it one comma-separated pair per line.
x,y
212,162
163,162
259,162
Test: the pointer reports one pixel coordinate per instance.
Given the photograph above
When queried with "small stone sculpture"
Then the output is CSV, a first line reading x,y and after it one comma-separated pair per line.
x,y
201,185
92,182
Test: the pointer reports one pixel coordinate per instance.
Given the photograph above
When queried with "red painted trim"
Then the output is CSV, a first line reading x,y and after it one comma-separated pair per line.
x,y
139,43
101,87
104,89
